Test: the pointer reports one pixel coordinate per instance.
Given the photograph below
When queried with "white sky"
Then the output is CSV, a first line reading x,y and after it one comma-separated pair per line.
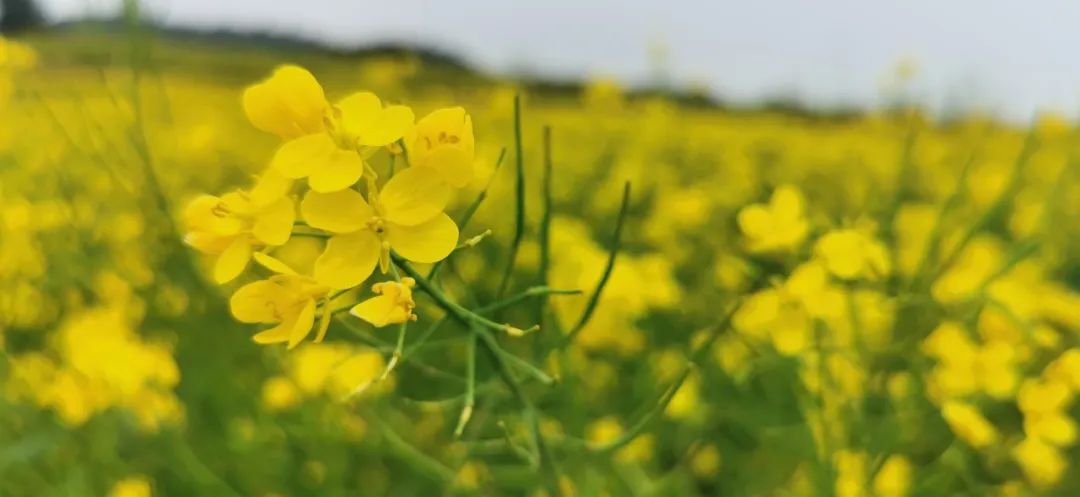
x,y
1010,57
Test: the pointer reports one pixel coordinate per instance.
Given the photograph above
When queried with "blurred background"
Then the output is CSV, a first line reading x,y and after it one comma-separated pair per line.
x,y
848,266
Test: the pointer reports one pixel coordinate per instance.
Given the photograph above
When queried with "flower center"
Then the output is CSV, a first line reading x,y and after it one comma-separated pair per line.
x,y
377,225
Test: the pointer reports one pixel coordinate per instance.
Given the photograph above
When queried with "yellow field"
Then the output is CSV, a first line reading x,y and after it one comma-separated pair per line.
x,y
878,305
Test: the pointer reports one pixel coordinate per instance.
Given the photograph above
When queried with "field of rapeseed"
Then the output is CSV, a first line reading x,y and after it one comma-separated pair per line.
x,y
228,270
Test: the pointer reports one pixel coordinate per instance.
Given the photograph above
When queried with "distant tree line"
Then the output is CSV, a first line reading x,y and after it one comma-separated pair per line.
x,y
19,15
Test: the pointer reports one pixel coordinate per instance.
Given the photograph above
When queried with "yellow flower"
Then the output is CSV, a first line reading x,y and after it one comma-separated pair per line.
x,y
968,424
393,303
851,254
286,299
1042,464
133,486
290,103
325,143
406,217
706,462
779,225
894,477
443,141
232,225
279,393
850,473
333,159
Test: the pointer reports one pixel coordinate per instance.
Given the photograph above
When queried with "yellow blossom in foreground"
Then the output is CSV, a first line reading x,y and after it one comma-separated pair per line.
x,y
443,141
779,225
133,486
286,299
406,216
290,103
232,225
393,304
968,424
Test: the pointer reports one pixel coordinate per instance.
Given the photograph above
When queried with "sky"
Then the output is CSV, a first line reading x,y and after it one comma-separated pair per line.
x,y
1012,58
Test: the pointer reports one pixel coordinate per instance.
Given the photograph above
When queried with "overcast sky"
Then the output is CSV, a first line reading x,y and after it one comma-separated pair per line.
x,y
1012,58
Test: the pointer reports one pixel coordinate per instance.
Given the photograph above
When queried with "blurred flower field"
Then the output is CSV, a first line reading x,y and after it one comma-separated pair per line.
x,y
232,270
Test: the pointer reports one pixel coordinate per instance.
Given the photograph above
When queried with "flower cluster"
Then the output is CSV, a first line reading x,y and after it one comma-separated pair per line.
x,y
377,183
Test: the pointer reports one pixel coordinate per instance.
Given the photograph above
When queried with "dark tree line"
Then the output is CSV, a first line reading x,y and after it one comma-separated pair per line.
x,y
19,15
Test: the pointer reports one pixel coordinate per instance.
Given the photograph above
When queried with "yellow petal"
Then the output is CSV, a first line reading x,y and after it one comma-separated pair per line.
x,y
336,171
271,186
324,321
232,261
304,321
272,263
391,124
424,243
359,112
277,334
290,103
380,311
200,215
343,211
256,302
348,260
300,157
275,223
755,221
454,164
413,196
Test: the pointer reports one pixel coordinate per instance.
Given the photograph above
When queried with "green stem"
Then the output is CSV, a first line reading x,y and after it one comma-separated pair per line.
x,y
519,196
413,456
470,387
498,359
594,298
470,211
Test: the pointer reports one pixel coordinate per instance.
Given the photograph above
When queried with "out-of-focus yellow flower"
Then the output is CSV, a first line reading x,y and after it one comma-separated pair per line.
x,y
406,216
604,430
393,303
232,225
1045,407
14,57
779,225
286,299
894,477
279,393
969,424
850,254
1042,463
1066,369
850,473
444,142
336,370
132,486
705,464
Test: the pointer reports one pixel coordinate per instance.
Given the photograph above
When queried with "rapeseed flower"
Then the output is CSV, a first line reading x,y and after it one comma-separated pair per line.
x,y
286,299
780,224
393,304
233,225
325,143
443,141
406,216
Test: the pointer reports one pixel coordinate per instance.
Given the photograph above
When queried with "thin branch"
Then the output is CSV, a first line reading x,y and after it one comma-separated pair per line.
x,y
594,298
519,196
